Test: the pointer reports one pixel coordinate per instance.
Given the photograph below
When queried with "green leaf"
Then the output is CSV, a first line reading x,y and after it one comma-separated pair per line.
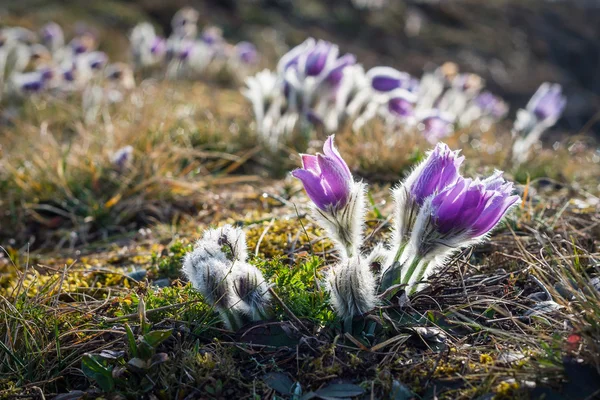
x,y
131,340
98,372
155,338
279,382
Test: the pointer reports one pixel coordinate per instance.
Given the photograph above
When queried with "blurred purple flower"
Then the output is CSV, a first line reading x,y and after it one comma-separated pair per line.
x,y
52,35
79,46
337,71
185,51
436,126
97,60
472,207
386,79
158,46
122,157
548,103
491,105
326,178
247,52
439,170
401,103
316,59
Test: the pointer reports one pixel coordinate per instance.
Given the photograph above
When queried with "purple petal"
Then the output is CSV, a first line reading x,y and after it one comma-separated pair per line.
x,y
313,187
493,213
337,72
334,175
330,151
385,83
309,162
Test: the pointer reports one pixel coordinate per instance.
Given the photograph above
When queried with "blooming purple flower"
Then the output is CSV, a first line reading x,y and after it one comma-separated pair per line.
x,y
548,103
439,170
472,207
247,52
326,177
386,79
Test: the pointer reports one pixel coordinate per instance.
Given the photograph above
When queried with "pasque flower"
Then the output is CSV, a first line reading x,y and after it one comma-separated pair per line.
x,y
459,216
471,208
386,79
439,170
542,112
547,104
338,200
326,177
218,269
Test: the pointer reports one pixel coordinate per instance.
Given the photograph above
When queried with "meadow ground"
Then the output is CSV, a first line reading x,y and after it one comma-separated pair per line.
x,y
94,303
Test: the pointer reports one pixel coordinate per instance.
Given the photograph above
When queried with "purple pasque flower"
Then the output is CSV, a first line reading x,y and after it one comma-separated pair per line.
x,y
292,57
440,170
436,125
401,103
548,103
334,76
317,58
246,52
386,79
326,177
472,208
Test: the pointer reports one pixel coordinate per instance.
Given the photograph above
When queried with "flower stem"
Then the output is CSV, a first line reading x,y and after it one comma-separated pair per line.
x,y
411,270
420,274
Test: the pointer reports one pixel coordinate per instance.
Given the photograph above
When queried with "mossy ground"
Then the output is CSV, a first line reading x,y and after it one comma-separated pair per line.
x,y
94,303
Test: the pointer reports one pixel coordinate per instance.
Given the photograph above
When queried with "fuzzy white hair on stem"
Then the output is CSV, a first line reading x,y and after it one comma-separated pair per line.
x,y
345,225
353,288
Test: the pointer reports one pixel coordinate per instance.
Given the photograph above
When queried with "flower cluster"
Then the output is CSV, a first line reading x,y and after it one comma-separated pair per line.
x,y
218,268
45,64
542,112
187,53
437,212
314,85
